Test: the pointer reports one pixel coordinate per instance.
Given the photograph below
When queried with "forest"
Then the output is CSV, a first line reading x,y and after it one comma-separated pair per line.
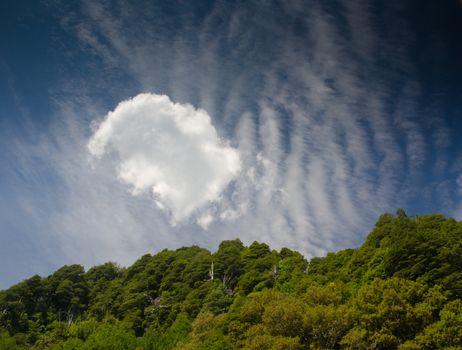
x,y
401,289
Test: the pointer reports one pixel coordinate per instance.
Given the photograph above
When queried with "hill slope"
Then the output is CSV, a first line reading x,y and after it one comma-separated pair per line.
x,y
401,289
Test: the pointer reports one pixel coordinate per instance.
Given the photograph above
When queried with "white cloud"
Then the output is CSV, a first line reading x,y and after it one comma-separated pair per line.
x,y
170,149
205,220
322,154
459,184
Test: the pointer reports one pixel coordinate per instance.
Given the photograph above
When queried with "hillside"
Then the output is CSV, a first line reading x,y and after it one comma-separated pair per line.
x,y
401,289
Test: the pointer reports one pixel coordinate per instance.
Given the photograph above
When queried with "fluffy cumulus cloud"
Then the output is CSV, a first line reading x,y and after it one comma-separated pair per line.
x,y
169,149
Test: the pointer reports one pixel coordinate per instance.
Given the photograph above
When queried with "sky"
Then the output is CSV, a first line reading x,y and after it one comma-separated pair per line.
x,y
128,127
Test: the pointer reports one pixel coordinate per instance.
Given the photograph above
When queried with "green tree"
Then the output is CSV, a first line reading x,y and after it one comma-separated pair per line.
x,y
446,333
228,265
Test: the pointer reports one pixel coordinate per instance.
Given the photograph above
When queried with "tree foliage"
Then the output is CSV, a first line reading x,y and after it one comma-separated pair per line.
x,y
401,289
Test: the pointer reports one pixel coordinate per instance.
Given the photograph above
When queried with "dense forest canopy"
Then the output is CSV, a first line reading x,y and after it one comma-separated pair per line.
x,y
401,289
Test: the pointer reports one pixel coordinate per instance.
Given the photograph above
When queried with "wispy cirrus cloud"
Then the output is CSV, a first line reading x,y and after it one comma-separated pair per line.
x,y
308,99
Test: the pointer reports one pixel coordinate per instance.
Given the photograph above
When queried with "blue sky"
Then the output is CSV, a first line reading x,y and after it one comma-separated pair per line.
x,y
129,127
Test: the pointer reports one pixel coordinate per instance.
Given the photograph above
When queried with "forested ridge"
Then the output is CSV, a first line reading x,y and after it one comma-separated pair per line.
x,y
401,289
